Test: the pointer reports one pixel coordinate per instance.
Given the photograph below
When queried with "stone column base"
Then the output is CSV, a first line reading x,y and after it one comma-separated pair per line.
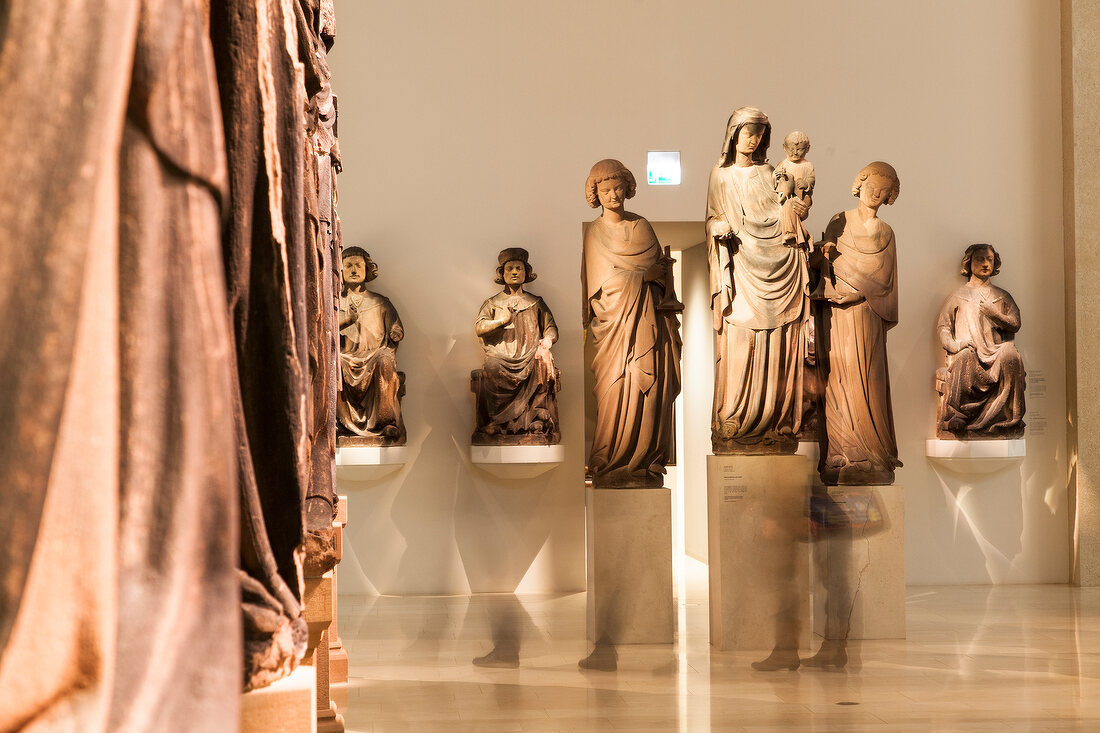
x,y
758,551
630,566
866,569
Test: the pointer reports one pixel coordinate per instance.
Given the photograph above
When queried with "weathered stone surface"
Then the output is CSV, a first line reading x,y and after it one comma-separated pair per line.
x,y
630,566
983,383
630,308
370,332
516,391
758,294
859,571
758,555
858,297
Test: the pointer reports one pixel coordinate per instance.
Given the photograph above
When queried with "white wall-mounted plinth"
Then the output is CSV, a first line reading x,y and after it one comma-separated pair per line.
x,y
517,461
759,560
976,456
369,462
860,575
286,706
630,566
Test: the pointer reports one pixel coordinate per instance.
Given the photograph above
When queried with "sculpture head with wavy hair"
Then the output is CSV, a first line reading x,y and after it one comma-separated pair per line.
x,y
967,269
608,169
885,192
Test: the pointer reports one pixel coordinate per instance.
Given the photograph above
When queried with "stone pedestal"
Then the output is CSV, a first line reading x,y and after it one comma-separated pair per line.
x,y
337,654
865,570
517,461
317,610
287,706
759,557
318,602
368,463
630,566
976,456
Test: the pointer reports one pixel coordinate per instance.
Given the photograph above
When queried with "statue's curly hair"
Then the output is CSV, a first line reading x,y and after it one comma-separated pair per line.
x,y
883,169
607,169
795,138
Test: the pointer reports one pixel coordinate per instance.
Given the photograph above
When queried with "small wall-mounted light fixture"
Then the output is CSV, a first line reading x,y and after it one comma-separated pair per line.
x,y
663,167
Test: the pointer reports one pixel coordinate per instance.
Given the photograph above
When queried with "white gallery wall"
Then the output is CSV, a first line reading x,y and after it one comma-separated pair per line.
x,y
467,127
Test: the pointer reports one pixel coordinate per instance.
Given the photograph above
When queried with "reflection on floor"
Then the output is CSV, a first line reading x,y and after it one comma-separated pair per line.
x,y
977,658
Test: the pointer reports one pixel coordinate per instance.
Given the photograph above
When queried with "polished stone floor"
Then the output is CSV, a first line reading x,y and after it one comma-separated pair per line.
x,y
977,658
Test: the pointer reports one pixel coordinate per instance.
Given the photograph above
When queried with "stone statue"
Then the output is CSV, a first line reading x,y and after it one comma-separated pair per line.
x,y
370,331
758,284
859,296
982,387
517,388
795,179
630,308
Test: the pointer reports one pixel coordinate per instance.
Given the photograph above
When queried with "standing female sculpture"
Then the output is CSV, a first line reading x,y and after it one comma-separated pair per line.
x,y
626,281
759,288
861,293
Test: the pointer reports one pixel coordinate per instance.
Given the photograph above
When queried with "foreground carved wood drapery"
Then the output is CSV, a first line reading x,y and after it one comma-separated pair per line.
x,y
174,345
280,253
118,521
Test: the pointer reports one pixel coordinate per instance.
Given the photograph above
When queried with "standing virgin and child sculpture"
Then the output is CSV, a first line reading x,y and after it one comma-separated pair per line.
x,y
759,284
982,386
630,308
763,265
369,409
517,388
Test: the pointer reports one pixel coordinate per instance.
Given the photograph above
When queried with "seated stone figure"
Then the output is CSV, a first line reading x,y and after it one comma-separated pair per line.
x,y
516,390
369,408
982,387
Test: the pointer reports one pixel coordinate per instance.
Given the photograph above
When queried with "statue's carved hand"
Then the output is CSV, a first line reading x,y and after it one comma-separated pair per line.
x,y
542,353
997,310
720,229
506,315
800,208
784,186
397,332
960,345
845,298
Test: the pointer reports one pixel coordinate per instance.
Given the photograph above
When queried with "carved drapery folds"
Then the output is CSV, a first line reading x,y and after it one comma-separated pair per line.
x,y
165,420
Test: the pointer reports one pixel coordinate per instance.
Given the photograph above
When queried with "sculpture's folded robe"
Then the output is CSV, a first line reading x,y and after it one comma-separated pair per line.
x,y
637,362
759,300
